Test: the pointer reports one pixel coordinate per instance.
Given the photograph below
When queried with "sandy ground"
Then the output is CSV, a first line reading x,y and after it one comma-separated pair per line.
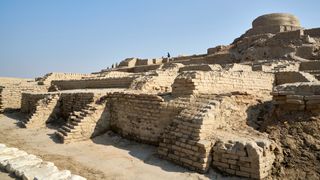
x,y
104,157
5,176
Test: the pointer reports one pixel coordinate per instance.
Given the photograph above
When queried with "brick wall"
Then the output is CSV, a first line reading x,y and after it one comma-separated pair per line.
x,y
157,81
11,94
292,77
122,82
244,157
297,97
222,82
29,101
141,117
46,79
315,32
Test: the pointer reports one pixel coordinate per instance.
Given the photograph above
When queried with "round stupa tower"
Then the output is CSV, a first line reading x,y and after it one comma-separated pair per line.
x,y
274,23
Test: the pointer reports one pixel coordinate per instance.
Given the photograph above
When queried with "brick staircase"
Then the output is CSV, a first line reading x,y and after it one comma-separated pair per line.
x,y
44,111
184,141
81,125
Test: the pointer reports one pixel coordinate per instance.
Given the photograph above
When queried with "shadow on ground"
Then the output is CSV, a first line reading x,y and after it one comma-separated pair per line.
x,y
148,154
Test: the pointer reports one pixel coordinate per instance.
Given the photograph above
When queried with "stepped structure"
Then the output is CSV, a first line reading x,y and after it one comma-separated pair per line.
x,y
81,124
201,111
43,112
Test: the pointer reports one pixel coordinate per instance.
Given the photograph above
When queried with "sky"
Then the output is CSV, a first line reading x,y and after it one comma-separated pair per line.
x,y
84,36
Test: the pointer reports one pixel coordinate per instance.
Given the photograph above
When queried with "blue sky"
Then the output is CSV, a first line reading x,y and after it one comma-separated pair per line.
x,y
85,36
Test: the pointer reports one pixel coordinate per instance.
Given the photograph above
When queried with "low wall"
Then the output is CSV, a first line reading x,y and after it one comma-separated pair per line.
x,y
297,97
222,82
11,94
290,34
157,81
292,77
312,65
122,82
289,102
29,101
46,79
201,67
141,117
276,66
244,157
315,32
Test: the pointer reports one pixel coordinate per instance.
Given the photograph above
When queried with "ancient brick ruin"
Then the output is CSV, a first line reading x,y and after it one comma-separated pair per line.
x,y
201,111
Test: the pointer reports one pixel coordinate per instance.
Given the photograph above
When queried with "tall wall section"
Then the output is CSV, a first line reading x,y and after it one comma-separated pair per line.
x,y
217,82
142,117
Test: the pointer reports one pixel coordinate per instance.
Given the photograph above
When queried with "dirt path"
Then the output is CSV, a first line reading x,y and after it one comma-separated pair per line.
x,y
105,157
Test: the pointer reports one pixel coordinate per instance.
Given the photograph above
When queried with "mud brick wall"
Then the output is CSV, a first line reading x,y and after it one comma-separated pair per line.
x,y
157,81
141,117
11,94
201,67
277,66
247,158
122,82
222,82
29,101
46,79
292,77
290,34
302,88
315,32
297,96
309,66
185,139
138,69
291,102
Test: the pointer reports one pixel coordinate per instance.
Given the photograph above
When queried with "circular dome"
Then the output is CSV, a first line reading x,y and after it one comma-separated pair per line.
x,y
276,19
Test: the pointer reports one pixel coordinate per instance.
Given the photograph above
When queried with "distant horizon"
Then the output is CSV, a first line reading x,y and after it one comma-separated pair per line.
x,y
77,36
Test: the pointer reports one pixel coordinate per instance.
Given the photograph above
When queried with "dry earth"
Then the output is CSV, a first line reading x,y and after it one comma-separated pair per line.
x,y
298,135
105,157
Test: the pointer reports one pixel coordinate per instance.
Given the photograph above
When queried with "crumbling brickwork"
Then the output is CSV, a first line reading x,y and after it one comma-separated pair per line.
x,y
244,157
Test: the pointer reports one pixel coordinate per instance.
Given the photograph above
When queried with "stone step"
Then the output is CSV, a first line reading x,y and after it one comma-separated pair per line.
x,y
76,117
66,129
59,134
78,120
74,123
76,113
86,111
70,126
62,131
